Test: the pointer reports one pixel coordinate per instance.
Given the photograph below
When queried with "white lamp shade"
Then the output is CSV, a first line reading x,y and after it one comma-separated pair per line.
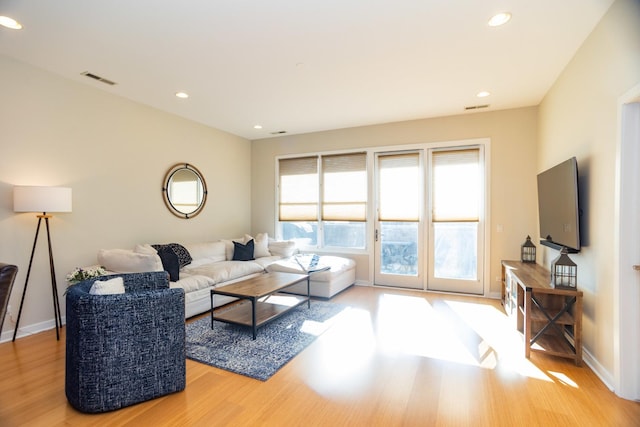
x,y
41,199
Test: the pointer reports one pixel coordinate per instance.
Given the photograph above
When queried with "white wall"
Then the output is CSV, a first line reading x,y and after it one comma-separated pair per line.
x,y
114,154
513,135
579,117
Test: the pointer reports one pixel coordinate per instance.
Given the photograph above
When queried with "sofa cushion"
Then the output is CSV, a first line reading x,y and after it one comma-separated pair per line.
x,y
203,253
260,244
243,252
128,261
184,258
170,262
225,270
266,260
192,282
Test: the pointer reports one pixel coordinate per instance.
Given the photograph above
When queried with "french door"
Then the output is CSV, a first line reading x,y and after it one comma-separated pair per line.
x,y
429,229
456,230
398,227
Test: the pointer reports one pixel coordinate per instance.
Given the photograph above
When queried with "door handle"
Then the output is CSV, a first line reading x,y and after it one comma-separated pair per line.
x,y
636,267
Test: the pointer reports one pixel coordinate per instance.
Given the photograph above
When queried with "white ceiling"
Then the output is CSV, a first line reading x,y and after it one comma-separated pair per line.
x,y
305,65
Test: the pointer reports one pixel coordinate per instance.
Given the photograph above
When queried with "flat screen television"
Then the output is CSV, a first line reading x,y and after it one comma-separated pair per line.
x,y
558,207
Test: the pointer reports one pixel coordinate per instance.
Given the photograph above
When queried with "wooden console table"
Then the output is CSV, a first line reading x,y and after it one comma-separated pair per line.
x,y
549,318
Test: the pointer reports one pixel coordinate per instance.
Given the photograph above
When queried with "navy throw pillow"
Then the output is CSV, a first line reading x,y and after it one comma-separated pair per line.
x,y
184,257
243,252
170,262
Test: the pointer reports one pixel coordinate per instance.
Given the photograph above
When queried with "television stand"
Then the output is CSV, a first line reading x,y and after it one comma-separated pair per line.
x,y
549,318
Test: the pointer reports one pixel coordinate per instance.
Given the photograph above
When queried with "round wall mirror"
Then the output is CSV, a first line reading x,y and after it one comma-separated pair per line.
x,y
184,190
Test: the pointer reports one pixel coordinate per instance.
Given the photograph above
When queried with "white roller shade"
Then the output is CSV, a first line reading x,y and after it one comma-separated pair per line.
x,y
399,192
456,185
344,179
299,184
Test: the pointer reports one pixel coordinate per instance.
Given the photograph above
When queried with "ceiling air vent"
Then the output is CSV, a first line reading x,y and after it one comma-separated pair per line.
x,y
476,107
98,78
279,132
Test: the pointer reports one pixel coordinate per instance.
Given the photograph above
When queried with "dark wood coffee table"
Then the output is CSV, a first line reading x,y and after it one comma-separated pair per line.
x,y
266,303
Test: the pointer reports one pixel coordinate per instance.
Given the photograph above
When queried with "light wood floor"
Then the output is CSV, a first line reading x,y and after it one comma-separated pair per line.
x,y
396,358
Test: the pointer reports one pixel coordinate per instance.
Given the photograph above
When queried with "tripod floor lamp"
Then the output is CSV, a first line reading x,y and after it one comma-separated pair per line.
x,y
45,200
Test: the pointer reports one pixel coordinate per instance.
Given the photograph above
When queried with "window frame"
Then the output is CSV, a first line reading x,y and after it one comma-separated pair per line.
x,y
320,221
368,251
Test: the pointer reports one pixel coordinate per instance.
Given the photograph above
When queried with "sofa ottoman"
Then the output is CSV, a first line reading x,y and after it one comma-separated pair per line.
x,y
324,284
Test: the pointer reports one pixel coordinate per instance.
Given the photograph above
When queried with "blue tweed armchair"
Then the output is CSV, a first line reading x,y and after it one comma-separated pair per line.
x,y
126,348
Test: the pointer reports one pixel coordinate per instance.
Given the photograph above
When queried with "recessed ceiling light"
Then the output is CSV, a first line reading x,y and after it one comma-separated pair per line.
x,y
11,23
483,94
499,19
182,95
257,127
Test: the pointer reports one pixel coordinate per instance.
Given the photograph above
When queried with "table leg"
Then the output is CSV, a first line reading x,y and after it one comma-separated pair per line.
x,y
528,307
577,331
308,292
211,310
253,316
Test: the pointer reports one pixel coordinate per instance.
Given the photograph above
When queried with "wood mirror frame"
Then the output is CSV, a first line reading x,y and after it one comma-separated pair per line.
x,y
184,190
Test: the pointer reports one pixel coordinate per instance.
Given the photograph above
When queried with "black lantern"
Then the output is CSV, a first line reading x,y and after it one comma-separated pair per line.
x,y
528,251
564,271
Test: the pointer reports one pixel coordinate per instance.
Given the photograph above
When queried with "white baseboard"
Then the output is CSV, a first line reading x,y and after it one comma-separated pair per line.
x,y
605,376
494,295
30,330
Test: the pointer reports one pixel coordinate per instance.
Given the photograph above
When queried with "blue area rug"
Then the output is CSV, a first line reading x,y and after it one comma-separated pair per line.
x,y
232,348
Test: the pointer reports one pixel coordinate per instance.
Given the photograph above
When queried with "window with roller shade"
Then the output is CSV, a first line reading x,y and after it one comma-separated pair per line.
x,y
344,200
323,200
299,195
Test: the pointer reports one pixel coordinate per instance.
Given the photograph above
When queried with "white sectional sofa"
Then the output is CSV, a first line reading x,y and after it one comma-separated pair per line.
x,y
202,266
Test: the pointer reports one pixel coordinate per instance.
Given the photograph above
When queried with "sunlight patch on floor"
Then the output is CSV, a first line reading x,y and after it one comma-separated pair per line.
x,y
498,333
563,379
449,330
313,327
410,325
341,365
453,331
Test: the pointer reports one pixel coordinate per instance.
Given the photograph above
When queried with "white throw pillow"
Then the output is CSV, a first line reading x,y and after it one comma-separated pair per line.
x,y
107,287
260,244
145,249
128,261
282,248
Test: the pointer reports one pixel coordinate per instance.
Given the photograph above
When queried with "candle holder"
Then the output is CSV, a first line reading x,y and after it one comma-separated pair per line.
x,y
564,272
528,251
